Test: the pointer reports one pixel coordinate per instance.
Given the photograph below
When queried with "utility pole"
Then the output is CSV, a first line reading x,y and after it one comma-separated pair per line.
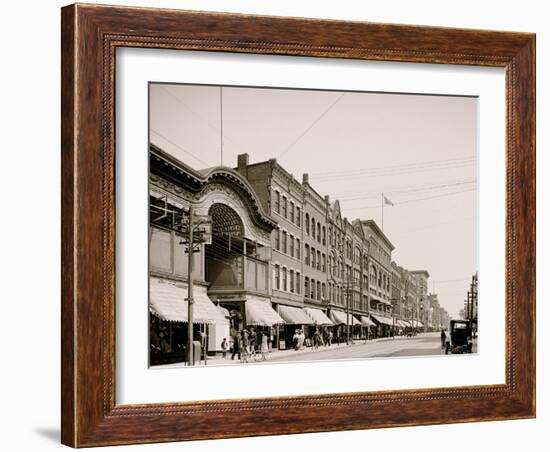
x,y
186,224
347,309
190,301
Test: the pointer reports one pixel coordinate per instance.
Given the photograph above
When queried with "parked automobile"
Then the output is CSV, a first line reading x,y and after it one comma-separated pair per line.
x,y
460,337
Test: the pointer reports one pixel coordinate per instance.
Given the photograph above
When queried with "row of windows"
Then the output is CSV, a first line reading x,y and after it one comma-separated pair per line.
x,y
287,209
377,277
287,244
286,280
382,255
315,258
315,229
314,289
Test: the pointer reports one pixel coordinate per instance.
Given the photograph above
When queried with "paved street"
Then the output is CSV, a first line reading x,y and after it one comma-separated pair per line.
x,y
424,344
421,345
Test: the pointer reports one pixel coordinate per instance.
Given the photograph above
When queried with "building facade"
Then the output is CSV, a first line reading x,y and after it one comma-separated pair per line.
x,y
281,257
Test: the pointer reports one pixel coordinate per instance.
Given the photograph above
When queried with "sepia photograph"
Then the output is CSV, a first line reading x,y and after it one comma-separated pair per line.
x,y
296,225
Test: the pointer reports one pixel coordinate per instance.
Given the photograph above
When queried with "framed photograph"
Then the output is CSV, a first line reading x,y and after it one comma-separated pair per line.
x,y
282,225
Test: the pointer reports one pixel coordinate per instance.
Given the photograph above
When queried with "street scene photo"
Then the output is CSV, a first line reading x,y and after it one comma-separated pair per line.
x,y
294,225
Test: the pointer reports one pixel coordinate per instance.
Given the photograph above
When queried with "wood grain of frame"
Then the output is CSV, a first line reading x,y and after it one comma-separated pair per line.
x,y
90,35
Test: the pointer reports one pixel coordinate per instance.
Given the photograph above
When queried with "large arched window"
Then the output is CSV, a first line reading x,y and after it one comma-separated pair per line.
x,y
313,227
307,223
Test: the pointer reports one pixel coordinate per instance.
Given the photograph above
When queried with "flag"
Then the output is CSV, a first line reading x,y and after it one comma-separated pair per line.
x,y
387,201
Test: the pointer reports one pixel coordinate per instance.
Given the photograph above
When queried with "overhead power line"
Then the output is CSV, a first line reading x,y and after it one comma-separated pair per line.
x,y
311,125
179,147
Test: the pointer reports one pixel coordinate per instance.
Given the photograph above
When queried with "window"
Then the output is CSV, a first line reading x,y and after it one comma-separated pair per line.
x,y
324,263
291,246
307,223
277,271
291,211
319,232
298,217
312,295
291,280
298,249
357,256
277,202
306,287
318,266
318,290
284,279
277,239
285,206
284,242
307,254
161,249
313,227
324,235
298,285
313,257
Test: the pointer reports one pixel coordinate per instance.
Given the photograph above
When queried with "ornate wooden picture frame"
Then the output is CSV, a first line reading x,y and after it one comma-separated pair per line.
x,y
90,37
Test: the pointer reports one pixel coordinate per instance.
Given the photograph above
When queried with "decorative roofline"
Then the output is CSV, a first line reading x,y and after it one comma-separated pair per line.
x,y
197,180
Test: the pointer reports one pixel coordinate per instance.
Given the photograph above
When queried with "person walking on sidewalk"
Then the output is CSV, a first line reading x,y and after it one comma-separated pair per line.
x,y
443,337
236,346
224,348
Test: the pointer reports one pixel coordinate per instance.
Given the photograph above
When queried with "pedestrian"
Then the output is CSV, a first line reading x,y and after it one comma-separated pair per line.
x,y
224,348
329,338
443,337
236,346
252,339
244,346
264,349
301,339
295,339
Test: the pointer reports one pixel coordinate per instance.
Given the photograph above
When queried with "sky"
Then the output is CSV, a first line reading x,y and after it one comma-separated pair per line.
x,y
420,151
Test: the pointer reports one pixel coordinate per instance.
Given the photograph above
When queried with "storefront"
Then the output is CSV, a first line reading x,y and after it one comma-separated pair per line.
x,y
322,324
367,325
296,320
384,325
341,320
263,318
168,310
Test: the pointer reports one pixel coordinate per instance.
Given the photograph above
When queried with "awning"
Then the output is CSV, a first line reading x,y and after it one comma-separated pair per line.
x,y
260,312
318,316
168,301
295,316
340,318
365,321
224,312
381,319
402,324
379,300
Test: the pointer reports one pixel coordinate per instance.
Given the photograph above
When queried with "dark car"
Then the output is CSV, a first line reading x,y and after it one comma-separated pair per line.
x,y
460,340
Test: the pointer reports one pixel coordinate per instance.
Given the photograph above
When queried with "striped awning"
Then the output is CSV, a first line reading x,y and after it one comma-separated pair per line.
x,y
295,316
168,301
383,320
259,312
318,316
365,321
340,318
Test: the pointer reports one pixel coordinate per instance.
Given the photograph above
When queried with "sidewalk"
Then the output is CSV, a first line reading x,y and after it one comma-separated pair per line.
x,y
219,361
